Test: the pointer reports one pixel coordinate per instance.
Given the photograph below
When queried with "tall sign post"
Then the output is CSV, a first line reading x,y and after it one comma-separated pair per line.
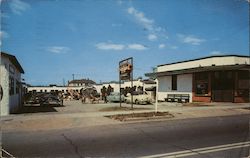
x,y
156,96
126,74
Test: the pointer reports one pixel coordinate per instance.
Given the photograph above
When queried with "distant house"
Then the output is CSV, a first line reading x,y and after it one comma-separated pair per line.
x,y
209,79
10,83
81,82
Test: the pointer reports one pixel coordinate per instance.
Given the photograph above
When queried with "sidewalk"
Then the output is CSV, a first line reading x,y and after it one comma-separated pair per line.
x,y
93,117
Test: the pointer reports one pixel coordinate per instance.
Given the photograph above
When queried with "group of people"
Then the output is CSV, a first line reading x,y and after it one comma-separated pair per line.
x,y
105,92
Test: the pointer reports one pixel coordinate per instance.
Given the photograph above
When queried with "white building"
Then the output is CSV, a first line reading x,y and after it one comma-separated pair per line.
x,y
214,78
49,89
10,81
145,84
81,83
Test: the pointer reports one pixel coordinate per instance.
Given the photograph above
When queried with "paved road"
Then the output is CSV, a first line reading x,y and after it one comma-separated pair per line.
x,y
200,137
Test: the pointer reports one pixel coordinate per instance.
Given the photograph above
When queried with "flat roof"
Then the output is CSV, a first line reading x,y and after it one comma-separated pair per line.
x,y
14,61
232,55
201,69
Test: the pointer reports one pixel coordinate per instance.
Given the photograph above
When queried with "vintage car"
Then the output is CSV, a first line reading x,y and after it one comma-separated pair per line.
x,y
138,98
115,97
50,99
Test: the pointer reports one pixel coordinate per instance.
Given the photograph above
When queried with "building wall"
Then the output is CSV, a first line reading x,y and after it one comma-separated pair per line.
x,y
4,81
230,60
76,84
184,86
113,85
54,88
10,103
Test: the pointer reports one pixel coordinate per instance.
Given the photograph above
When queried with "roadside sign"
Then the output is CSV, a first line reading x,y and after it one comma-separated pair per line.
x,y
126,73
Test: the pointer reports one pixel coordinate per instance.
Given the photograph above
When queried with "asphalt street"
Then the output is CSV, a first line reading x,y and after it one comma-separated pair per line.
x,y
226,136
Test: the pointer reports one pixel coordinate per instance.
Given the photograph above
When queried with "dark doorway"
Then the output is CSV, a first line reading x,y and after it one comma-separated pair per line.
x,y
222,86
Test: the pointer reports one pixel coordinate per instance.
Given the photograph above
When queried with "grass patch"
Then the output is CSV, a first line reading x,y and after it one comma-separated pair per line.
x,y
145,115
196,104
117,108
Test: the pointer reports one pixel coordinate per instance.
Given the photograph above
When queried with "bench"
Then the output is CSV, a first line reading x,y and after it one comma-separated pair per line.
x,y
180,98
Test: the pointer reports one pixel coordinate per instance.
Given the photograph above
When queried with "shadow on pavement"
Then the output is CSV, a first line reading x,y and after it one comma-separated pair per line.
x,y
36,108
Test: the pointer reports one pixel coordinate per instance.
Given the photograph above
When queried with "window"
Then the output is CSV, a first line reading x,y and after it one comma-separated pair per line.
x,y
243,83
243,77
174,82
18,86
201,83
45,90
11,85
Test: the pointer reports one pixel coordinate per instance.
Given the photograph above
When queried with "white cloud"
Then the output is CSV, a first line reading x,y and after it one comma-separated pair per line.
x,y
217,53
191,39
174,47
119,47
152,37
18,6
161,46
154,32
119,2
140,17
137,46
4,15
110,46
58,49
3,34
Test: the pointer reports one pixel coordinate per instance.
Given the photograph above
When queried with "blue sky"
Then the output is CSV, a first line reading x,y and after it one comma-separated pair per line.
x,y
54,39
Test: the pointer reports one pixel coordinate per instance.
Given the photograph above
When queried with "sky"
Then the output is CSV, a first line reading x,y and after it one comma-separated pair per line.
x,y
53,39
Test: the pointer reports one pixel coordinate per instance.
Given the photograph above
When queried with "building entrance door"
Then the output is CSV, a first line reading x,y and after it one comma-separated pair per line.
x,y
222,86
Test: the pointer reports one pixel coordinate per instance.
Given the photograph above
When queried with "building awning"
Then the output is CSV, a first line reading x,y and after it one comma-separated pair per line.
x,y
200,69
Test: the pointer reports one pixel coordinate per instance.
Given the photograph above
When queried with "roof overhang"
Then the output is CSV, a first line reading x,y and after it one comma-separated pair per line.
x,y
200,69
13,60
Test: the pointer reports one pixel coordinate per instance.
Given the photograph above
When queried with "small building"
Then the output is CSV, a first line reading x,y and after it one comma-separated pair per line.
x,y
81,82
47,89
210,79
11,84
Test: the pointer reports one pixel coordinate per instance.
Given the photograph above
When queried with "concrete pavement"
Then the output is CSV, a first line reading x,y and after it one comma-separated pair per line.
x,y
226,136
75,114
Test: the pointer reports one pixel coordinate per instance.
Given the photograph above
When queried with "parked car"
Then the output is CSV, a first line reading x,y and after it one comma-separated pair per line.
x,y
138,98
50,99
32,98
115,97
